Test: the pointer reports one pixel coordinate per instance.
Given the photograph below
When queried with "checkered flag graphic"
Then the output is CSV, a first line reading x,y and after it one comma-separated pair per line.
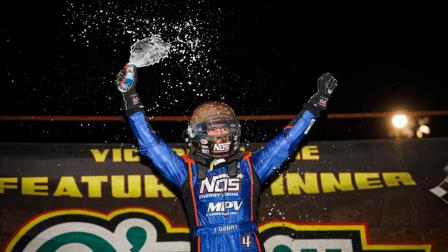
x,y
441,190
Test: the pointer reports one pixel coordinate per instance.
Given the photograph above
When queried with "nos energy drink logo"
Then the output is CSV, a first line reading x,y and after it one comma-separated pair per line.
x,y
221,147
141,229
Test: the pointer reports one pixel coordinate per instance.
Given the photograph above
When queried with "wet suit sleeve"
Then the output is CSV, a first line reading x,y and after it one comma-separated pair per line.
x,y
164,159
277,150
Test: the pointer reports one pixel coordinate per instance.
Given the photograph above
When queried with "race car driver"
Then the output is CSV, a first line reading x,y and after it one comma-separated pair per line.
x,y
220,185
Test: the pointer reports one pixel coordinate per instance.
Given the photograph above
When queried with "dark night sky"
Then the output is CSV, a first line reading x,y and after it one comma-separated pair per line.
x,y
261,57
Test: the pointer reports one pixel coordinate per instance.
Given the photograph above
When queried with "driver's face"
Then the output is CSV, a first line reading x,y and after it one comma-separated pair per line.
x,y
218,131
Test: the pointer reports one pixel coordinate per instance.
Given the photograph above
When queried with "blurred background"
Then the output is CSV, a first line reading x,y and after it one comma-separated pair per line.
x,y
260,57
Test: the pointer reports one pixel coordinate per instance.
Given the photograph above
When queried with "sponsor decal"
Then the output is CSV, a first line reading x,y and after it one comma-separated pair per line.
x,y
221,147
323,101
224,207
221,183
135,99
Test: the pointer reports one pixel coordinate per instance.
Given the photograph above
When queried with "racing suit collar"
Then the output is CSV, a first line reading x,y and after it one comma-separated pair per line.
x,y
203,162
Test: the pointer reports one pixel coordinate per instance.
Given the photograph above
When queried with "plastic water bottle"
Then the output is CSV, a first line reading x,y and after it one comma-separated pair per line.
x,y
129,79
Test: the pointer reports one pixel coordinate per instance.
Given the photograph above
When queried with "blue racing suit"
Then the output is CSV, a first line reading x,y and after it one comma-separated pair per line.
x,y
221,209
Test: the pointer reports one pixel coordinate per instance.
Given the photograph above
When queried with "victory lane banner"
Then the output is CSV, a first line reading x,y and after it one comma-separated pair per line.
x,y
331,196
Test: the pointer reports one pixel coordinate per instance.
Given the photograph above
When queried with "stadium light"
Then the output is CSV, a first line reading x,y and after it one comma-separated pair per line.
x,y
399,121
423,128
